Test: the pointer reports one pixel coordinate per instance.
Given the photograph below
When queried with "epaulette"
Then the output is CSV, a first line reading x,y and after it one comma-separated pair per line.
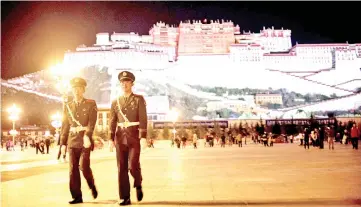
x,y
137,95
89,100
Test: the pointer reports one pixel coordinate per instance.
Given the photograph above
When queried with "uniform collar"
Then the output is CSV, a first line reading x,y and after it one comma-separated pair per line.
x,y
128,96
80,102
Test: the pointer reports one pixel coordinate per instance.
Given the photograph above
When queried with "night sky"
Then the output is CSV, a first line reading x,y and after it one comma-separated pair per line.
x,y
34,35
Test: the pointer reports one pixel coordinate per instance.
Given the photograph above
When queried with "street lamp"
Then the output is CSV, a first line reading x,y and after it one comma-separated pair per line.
x,y
173,116
63,74
14,112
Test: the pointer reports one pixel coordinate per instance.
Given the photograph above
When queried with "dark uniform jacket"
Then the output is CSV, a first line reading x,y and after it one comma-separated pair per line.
x,y
86,114
134,108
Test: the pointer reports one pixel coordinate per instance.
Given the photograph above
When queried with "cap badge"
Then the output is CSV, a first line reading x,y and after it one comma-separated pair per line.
x,y
124,74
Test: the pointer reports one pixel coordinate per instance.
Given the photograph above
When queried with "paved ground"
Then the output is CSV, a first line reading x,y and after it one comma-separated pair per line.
x,y
285,175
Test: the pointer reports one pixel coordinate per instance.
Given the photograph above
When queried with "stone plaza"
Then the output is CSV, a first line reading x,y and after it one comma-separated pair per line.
x,y
254,175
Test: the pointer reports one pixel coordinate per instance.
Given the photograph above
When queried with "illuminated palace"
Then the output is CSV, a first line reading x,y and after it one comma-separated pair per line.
x,y
166,44
207,46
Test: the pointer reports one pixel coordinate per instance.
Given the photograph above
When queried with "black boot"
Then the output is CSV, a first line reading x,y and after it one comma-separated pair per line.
x,y
94,192
139,193
76,200
125,202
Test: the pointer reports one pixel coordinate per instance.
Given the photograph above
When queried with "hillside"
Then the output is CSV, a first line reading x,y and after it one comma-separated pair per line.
x,y
289,97
36,94
37,109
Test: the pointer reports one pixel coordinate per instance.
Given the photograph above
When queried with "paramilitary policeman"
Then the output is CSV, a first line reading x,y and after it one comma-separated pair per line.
x,y
128,124
79,118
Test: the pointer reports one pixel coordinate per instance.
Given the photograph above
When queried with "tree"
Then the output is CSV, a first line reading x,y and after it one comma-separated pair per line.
x,y
166,132
276,128
234,126
262,129
246,125
217,128
183,132
201,131
313,123
240,127
257,128
152,133
288,129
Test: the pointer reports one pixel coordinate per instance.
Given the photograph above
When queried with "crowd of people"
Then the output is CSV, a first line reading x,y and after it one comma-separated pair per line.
x,y
39,143
316,136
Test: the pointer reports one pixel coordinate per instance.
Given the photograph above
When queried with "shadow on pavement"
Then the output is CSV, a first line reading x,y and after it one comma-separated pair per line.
x,y
304,202
102,202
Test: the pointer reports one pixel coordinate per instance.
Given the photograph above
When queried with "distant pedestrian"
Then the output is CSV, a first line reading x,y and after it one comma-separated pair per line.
x,y
195,139
331,137
355,134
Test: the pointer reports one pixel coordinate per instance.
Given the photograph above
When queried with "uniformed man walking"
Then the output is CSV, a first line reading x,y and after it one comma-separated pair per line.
x,y
128,124
79,118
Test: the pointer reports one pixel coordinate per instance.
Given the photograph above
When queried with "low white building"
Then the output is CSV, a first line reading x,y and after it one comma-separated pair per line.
x,y
157,107
234,105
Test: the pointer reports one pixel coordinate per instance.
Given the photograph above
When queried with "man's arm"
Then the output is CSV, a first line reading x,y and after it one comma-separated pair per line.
x,y
143,119
65,127
113,121
93,116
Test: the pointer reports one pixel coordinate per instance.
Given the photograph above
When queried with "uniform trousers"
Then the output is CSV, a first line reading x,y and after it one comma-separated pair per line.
x,y
79,159
128,160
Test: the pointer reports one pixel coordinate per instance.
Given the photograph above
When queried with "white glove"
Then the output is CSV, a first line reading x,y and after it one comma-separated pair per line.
x,y
143,143
111,144
86,141
62,150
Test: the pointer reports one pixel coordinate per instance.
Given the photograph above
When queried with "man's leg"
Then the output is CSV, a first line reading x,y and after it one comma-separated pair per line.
x,y
87,172
135,170
74,174
64,155
59,152
134,164
123,177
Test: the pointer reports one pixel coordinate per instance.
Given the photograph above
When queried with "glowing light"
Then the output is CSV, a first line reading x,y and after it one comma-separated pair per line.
x,y
56,120
47,133
13,109
63,85
56,116
13,132
173,115
13,113
64,72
